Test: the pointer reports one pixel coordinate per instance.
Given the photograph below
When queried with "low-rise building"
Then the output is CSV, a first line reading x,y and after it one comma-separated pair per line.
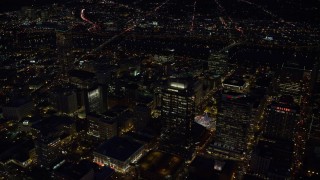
x,y
17,109
118,153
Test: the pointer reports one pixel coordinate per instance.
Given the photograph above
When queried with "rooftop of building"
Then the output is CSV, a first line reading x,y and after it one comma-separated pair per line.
x,y
234,81
286,99
239,98
18,102
143,99
119,148
18,150
232,93
81,74
285,103
182,83
51,127
107,117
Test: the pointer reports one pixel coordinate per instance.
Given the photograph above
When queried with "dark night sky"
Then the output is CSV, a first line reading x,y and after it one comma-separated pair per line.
x,y
6,5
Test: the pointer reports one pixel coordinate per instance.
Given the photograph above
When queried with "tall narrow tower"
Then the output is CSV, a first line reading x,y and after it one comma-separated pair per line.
x,y
235,115
177,112
282,117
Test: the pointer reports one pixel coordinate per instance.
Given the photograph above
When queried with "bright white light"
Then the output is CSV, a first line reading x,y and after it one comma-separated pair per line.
x,y
25,123
178,85
94,93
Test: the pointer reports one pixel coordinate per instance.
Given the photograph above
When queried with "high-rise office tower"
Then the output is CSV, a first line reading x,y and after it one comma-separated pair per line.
x,y
282,117
272,160
65,100
93,95
290,82
177,111
93,100
314,129
64,47
218,64
142,116
235,114
273,156
104,126
53,137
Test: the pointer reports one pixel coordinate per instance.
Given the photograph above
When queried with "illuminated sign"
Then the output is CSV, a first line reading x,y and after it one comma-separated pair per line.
x,y
178,85
174,90
283,109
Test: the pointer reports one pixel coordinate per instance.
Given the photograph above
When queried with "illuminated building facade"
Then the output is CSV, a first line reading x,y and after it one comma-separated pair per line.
x,y
92,96
53,137
93,100
235,115
218,63
282,116
102,126
290,82
177,111
234,84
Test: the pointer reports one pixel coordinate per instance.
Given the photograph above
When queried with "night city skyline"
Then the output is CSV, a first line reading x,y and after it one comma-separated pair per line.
x,y
159,89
